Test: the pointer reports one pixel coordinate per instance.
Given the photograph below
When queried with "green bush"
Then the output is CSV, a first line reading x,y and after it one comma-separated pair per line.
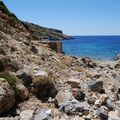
x,y
10,78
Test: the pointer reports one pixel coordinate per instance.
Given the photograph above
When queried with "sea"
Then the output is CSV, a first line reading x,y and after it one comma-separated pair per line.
x,y
94,47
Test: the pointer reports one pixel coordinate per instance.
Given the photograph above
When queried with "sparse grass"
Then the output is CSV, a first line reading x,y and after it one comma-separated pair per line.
x,y
10,78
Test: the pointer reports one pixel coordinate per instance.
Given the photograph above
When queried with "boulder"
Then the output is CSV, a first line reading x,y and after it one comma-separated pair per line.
x,y
96,86
63,97
22,92
27,115
7,96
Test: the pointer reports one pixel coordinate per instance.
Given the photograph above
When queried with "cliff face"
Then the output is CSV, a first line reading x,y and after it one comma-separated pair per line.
x,y
36,32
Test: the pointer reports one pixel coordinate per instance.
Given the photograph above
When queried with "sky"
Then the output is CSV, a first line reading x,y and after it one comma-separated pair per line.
x,y
73,17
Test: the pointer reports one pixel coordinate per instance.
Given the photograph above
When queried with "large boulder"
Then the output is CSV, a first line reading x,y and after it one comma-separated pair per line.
x,y
7,96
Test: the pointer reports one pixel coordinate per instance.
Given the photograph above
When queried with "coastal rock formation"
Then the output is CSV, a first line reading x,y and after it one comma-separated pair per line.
x,y
7,96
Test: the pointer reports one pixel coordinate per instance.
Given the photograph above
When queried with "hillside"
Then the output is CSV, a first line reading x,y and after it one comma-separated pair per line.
x,y
36,32
36,83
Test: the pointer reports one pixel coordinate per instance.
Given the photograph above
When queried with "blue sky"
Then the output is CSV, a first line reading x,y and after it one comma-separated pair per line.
x,y
73,17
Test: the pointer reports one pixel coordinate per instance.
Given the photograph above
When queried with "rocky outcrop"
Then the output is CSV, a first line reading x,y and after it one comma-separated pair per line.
x,y
7,96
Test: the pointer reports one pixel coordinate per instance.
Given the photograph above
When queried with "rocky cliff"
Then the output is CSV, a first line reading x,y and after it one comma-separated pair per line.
x,y
36,32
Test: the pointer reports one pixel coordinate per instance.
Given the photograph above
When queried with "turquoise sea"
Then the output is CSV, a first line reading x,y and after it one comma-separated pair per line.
x,y
95,47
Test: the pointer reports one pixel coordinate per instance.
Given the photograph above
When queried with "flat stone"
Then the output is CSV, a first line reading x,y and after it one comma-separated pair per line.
x,y
27,114
75,83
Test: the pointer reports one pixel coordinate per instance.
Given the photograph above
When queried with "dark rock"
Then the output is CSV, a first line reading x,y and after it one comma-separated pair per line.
x,y
80,95
118,93
88,62
34,49
103,113
96,86
26,79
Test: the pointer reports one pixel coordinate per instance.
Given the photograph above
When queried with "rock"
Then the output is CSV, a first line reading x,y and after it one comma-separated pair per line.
x,y
73,107
51,100
63,97
102,99
68,108
34,49
96,86
113,115
7,96
42,115
75,83
27,115
22,92
117,57
44,86
91,100
103,113
40,73
88,62
80,95
118,94
117,66
26,79
110,87
110,104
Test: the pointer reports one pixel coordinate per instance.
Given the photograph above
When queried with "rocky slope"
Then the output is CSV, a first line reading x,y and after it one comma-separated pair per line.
x,y
38,84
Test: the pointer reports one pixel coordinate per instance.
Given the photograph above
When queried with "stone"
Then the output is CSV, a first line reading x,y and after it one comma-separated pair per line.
x,y
103,113
96,86
80,95
26,79
117,66
42,115
63,97
110,87
27,115
75,83
7,96
73,107
113,115
110,104
101,100
117,57
40,73
91,100
22,92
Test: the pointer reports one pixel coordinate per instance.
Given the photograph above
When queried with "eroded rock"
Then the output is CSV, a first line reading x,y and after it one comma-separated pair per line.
x,y
7,96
